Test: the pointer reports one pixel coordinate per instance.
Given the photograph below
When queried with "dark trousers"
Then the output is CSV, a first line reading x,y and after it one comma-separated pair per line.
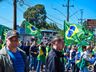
x,y
95,68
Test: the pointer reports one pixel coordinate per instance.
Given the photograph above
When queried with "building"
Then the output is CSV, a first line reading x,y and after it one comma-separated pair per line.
x,y
48,32
48,35
91,23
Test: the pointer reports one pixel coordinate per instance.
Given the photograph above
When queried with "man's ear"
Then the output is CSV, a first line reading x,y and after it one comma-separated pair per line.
x,y
7,40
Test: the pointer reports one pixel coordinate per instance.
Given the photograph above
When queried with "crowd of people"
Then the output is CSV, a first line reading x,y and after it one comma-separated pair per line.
x,y
52,56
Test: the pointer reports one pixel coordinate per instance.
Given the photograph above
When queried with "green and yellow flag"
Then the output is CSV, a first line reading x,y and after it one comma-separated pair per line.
x,y
31,30
71,33
76,34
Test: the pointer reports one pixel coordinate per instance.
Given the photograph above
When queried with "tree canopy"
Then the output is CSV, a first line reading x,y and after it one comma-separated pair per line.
x,y
36,15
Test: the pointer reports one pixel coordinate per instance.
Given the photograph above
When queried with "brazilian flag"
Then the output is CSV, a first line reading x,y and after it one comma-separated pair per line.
x,y
31,30
72,33
88,35
76,34
85,37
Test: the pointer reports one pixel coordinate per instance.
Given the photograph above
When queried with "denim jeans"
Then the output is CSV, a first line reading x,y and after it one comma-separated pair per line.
x,y
33,62
85,69
38,66
30,62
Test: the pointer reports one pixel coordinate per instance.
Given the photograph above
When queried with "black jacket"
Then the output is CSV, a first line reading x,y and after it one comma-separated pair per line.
x,y
34,49
55,61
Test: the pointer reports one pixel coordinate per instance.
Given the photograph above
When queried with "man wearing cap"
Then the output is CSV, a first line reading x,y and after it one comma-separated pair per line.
x,y
12,58
55,59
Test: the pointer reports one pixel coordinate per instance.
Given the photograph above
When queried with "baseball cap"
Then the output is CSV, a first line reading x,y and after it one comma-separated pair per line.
x,y
57,38
12,33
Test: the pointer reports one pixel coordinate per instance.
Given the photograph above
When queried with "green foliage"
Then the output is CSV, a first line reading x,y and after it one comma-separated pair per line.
x,y
23,24
61,33
36,15
52,26
3,31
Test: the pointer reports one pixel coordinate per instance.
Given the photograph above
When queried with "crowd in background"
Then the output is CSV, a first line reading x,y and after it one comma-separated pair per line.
x,y
36,53
49,56
75,60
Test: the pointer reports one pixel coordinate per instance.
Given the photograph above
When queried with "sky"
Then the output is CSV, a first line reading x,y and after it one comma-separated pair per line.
x,y
55,11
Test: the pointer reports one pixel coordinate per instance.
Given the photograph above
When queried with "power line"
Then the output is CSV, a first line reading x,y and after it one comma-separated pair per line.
x,y
3,18
20,10
68,8
18,7
48,14
59,12
14,5
55,17
54,21
57,3
27,1
26,4
81,19
7,20
47,17
74,15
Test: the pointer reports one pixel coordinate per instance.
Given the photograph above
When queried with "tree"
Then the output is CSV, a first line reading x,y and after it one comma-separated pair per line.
x,y
52,26
23,24
36,15
61,33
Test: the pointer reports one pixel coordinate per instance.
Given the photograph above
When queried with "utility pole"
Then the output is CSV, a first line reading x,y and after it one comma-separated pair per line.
x,y
81,16
68,9
14,14
81,19
68,14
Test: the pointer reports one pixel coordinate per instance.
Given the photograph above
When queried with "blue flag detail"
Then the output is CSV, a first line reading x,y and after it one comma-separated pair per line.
x,y
71,31
33,28
72,27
